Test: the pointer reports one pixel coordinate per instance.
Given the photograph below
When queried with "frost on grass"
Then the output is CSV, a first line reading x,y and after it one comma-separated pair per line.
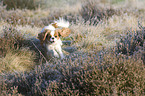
x,y
105,53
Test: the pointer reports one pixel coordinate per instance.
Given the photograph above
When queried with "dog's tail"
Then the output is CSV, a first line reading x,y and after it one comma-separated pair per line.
x,y
61,23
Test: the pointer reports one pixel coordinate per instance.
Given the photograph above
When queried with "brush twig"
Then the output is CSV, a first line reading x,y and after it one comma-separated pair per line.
x,y
39,51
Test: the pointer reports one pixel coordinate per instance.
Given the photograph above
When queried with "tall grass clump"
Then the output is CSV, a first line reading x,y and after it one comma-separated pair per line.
x,y
86,37
14,54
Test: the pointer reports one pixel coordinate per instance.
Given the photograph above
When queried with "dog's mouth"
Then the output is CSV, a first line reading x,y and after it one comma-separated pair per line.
x,y
52,41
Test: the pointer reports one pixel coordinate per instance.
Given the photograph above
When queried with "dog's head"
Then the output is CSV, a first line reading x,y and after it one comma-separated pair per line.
x,y
53,32
52,36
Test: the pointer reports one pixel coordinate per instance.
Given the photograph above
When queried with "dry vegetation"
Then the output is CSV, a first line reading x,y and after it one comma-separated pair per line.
x,y
105,53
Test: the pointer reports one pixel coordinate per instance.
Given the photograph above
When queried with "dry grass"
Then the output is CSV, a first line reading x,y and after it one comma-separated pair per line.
x,y
106,55
20,61
14,56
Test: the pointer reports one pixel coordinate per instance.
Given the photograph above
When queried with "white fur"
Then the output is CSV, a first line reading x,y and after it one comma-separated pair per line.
x,y
52,34
54,49
62,23
49,27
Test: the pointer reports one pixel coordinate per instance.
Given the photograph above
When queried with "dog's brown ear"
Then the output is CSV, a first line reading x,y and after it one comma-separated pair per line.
x,y
64,32
55,25
42,36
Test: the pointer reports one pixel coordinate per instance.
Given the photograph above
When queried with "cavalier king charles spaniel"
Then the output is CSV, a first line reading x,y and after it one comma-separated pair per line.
x,y
50,37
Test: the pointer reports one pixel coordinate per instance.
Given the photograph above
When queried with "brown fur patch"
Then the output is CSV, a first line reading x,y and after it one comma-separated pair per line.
x,y
56,35
64,32
55,25
42,36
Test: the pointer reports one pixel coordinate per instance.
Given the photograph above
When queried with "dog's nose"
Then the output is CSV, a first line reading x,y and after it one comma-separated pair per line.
x,y
52,38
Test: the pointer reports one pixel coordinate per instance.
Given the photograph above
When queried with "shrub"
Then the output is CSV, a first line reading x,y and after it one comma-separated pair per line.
x,y
115,76
10,40
131,42
16,17
93,13
23,4
110,76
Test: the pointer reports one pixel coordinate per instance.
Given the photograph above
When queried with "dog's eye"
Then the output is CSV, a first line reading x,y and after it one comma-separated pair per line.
x,y
48,36
55,36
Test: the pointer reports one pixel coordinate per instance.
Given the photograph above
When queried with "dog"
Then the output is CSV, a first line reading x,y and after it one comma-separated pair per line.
x,y
50,37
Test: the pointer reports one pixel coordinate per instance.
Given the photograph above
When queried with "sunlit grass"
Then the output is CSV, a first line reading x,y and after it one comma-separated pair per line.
x,y
105,54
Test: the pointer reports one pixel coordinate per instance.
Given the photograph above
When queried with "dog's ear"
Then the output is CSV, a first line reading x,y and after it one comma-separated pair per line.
x,y
42,36
55,25
64,32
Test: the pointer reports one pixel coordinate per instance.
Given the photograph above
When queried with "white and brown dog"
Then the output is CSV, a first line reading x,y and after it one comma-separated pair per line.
x,y
50,37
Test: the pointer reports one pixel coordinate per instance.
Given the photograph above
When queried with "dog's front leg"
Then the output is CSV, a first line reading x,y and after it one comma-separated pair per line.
x,y
55,54
59,50
52,53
